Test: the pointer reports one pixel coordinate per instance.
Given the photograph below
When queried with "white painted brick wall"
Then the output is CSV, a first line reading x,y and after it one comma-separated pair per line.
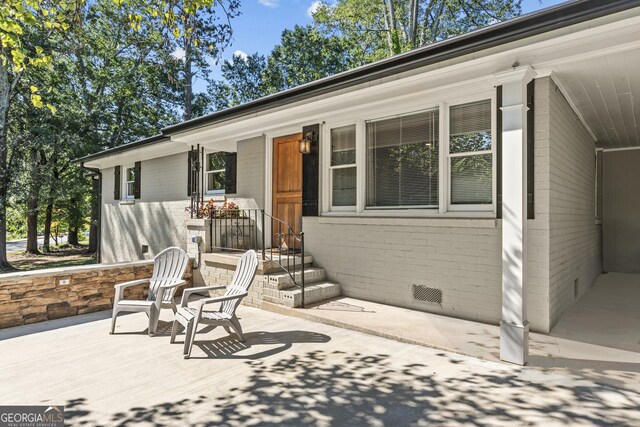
x,y
575,239
156,219
462,257
251,171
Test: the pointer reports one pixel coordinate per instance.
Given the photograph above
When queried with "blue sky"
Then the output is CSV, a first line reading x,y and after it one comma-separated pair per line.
x,y
259,26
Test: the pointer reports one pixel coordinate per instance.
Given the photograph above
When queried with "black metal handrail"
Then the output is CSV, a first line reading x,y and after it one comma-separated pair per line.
x,y
236,230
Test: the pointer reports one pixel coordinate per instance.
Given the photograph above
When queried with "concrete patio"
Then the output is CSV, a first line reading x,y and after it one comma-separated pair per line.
x,y
293,372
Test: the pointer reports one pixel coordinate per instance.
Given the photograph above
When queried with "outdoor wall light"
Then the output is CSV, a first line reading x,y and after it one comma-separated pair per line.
x,y
305,143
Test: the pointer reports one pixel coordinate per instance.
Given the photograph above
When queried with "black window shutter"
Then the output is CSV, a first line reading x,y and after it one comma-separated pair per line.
x,y
230,172
499,152
311,172
117,184
189,174
530,151
137,179
193,170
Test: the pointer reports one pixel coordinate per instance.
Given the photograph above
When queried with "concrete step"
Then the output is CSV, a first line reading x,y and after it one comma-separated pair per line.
x,y
284,281
313,293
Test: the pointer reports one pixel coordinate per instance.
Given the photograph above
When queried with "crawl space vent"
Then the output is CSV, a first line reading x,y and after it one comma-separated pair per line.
x,y
426,294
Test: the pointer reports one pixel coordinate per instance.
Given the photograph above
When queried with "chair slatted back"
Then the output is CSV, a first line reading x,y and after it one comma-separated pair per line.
x,y
242,279
168,267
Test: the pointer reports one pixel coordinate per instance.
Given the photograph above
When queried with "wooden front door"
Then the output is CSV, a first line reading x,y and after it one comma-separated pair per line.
x,y
287,186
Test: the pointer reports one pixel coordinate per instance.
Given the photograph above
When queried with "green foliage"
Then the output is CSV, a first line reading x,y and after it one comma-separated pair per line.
x,y
347,34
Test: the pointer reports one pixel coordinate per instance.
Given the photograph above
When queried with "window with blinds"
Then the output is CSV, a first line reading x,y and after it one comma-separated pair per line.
x,y
470,154
343,166
214,173
402,161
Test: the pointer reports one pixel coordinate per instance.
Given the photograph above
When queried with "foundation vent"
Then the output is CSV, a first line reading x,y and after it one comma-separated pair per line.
x,y
426,294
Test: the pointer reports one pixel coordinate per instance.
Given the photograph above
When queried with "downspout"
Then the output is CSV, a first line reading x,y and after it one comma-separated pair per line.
x,y
96,172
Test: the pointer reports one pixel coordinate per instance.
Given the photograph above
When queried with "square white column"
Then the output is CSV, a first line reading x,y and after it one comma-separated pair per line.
x,y
514,326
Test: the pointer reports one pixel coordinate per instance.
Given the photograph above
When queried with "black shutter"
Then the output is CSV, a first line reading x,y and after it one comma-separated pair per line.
x,y
230,172
499,152
189,174
193,169
311,172
137,176
530,150
116,183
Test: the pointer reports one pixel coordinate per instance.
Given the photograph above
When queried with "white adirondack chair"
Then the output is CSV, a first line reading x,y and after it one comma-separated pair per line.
x,y
225,315
168,268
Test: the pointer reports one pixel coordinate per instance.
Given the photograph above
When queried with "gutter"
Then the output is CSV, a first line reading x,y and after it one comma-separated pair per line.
x,y
130,146
96,172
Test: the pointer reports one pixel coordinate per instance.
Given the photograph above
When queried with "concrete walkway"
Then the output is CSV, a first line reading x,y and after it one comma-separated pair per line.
x,y
598,337
289,372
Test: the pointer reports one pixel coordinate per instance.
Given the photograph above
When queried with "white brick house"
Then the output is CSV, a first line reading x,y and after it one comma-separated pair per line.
x,y
476,167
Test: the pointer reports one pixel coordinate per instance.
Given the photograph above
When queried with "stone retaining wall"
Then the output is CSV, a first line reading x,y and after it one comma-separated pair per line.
x,y
30,297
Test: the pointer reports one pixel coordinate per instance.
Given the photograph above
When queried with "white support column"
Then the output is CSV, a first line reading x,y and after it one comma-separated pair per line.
x,y
514,327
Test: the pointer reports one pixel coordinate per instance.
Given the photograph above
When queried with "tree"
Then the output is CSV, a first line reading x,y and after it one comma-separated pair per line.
x,y
18,56
303,55
380,28
196,32
243,82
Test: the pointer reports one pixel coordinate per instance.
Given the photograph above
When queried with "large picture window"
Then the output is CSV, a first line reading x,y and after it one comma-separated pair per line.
x,y
403,161
215,173
470,154
343,166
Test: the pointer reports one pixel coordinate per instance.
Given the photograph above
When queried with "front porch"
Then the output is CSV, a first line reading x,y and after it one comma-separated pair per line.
x,y
297,372
598,335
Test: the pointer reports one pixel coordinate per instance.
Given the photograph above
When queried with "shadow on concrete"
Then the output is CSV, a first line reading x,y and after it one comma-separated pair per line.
x,y
349,388
50,325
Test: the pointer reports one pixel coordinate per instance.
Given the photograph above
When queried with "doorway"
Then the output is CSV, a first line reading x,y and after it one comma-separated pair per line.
x,y
287,187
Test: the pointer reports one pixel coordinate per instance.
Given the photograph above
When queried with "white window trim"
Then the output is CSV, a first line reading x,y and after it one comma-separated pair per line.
x,y
125,188
207,172
326,153
444,208
448,156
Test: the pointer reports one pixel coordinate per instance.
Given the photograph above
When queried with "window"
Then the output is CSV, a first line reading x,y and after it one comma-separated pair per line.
x,y
402,161
470,154
129,183
343,166
215,173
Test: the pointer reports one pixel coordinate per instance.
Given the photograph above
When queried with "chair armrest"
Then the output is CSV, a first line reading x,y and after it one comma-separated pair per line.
x,y
189,291
205,301
120,287
173,285
130,283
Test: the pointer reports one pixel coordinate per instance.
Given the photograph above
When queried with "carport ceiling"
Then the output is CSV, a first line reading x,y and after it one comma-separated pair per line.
x,y
605,91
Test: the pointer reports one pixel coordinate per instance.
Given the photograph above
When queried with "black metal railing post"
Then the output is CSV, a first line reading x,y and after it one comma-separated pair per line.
x,y
263,234
302,262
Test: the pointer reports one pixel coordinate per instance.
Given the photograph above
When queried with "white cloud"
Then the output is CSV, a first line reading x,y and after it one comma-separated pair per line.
x,y
314,8
269,3
178,53
242,54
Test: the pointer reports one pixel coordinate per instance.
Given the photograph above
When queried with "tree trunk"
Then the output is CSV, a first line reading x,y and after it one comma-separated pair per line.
x,y
48,217
188,79
72,238
413,26
5,99
32,204
74,220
